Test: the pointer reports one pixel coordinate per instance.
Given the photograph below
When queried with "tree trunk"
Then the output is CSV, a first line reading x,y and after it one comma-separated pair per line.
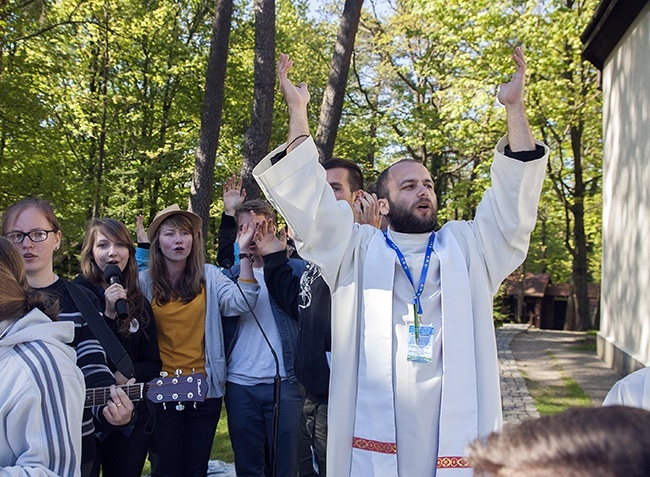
x,y
258,134
580,272
332,106
203,177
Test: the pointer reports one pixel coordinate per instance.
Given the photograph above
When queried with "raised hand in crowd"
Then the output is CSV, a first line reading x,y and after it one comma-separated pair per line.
x,y
366,209
247,235
268,239
233,195
297,98
511,95
512,92
140,232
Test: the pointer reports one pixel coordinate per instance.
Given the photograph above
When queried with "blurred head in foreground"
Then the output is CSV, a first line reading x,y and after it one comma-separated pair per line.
x,y
583,442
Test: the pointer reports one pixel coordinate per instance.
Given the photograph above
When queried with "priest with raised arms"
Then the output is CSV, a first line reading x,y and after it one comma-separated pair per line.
x,y
414,373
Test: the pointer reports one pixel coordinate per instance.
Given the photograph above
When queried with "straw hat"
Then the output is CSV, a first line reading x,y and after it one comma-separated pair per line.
x,y
168,212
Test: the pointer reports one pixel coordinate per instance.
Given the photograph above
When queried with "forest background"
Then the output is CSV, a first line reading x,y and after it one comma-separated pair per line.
x,y
111,108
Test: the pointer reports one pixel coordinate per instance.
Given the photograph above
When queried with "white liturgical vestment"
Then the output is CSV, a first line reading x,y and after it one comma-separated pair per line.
x,y
633,390
389,416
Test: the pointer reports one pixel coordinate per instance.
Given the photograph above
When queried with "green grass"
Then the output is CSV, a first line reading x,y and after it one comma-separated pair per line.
x,y
588,343
557,398
221,448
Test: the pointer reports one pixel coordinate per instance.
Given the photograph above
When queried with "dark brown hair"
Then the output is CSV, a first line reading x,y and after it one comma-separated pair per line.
x,y
258,206
609,441
116,231
355,176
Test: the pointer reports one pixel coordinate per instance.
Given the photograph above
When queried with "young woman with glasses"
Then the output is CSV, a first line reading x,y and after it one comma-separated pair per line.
x,y
33,228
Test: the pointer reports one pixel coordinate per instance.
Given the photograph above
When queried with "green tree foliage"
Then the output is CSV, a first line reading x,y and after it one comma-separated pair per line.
x,y
424,84
566,110
100,104
427,73
334,94
117,85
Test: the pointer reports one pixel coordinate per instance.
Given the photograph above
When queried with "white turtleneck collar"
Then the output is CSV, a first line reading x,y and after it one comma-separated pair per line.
x,y
410,243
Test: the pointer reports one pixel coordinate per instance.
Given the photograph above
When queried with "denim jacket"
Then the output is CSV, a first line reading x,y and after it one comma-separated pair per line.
x,y
287,327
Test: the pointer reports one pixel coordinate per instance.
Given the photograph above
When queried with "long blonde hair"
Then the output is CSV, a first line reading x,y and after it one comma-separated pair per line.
x,y
191,281
17,298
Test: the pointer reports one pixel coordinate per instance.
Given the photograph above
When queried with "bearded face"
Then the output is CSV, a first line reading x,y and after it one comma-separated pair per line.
x,y
419,218
412,203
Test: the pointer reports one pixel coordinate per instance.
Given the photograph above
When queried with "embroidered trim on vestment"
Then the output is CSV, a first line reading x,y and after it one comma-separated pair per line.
x,y
452,463
374,446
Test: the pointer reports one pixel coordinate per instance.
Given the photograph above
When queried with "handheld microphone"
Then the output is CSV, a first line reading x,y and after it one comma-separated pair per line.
x,y
227,264
113,274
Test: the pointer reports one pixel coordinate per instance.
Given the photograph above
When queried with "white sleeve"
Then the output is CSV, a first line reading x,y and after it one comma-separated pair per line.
x,y
44,433
507,214
297,187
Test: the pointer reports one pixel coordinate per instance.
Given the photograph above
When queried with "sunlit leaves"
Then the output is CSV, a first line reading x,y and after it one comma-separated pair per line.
x,y
100,101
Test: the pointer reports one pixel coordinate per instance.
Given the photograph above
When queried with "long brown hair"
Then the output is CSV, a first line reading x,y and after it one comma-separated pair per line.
x,y
191,281
116,231
17,298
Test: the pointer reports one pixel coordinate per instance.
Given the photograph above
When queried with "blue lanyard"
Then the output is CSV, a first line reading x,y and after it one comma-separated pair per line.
x,y
417,304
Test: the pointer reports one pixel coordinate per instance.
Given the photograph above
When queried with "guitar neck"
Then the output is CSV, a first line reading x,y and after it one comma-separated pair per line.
x,y
101,396
191,388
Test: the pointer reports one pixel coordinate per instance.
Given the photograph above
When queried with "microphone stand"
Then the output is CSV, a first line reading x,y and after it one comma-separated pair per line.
x,y
277,381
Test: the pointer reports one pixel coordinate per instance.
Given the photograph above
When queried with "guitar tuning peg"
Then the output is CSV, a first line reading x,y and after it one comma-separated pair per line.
x,y
176,390
178,372
164,374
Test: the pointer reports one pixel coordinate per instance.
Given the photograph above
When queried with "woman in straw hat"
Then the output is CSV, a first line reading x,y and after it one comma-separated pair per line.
x,y
188,298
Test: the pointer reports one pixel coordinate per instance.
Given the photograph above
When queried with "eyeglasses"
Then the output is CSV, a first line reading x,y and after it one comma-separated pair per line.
x,y
34,236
